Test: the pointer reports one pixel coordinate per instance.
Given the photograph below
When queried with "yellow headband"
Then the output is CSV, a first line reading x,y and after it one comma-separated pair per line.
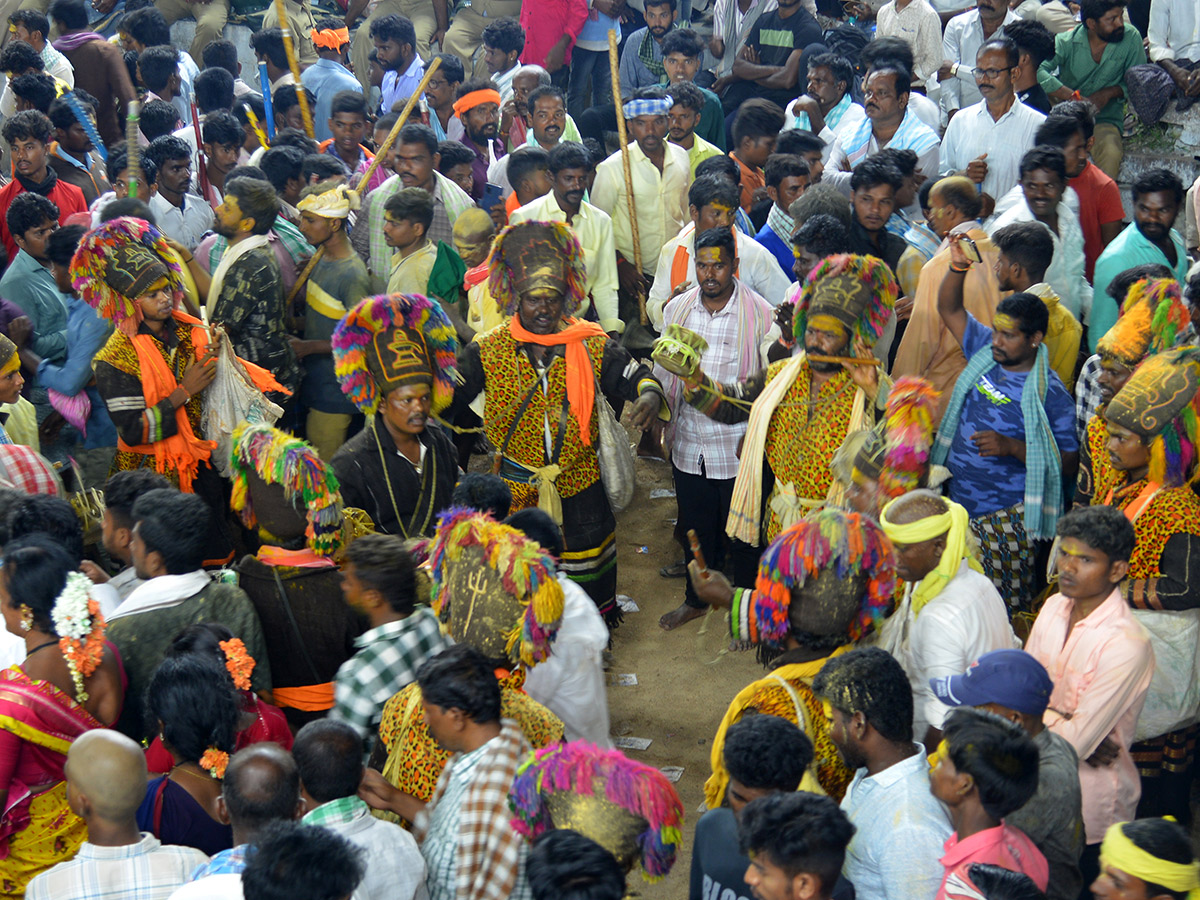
x,y
334,204
8,352
1120,852
953,524
10,365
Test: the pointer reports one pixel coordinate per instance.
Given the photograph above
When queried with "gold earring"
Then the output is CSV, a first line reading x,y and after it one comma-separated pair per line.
x,y
26,618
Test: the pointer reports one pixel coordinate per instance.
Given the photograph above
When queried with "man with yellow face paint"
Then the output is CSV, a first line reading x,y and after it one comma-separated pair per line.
x,y
712,201
1147,859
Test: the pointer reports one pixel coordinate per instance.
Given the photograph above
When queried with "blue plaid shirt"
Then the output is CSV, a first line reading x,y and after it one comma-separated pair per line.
x,y
227,862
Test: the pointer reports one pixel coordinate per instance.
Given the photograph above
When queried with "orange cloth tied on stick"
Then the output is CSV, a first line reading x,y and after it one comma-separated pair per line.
x,y
183,450
330,38
581,378
469,101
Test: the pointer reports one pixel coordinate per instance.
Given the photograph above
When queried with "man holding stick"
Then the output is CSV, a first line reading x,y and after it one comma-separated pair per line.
x,y
658,178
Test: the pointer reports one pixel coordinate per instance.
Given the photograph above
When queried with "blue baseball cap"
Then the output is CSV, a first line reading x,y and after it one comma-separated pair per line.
x,y
1009,678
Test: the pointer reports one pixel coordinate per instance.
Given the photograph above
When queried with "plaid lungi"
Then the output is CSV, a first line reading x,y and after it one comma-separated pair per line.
x,y
1007,555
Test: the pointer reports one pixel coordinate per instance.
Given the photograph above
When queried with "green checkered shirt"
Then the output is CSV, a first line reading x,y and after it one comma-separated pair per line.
x,y
336,812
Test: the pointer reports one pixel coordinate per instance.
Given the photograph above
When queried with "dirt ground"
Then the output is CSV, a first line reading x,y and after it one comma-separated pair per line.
x,y
685,682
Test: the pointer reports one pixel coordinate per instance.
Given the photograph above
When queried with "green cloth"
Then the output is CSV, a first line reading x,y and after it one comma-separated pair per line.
x,y
336,812
1077,70
142,640
446,277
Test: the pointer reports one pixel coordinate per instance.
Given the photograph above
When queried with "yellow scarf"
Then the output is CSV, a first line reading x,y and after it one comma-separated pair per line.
x,y
953,524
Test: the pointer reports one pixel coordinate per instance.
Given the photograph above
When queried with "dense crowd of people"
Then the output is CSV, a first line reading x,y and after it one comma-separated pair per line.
x,y
311,448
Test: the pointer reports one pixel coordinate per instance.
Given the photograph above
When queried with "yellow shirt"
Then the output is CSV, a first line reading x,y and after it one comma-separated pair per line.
x,y
701,150
410,274
1062,334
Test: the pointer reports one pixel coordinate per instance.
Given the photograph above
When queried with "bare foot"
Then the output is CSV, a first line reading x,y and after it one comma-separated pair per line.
x,y
679,616
740,646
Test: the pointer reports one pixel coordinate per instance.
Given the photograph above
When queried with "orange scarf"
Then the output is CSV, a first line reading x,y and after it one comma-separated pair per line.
x,y
581,378
182,451
303,558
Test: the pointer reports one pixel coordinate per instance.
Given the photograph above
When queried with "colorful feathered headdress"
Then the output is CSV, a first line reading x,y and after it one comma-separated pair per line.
x,y
1161,403
117,262
898,458
627,807
859,292
389,341
308,482
829,542
494,588
537,256
1153,319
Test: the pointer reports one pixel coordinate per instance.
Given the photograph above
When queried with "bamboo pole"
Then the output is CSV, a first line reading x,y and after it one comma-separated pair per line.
x,y
380,152
137,178
294,64
614,66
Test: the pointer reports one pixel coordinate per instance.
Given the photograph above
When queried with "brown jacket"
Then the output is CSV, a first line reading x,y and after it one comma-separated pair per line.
x,y
100,70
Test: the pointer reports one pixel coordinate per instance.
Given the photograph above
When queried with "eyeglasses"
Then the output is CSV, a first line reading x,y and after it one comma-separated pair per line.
x,y
989,74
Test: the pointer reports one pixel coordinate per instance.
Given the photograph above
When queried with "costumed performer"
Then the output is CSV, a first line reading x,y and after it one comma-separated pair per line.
x,y
394,357
282,488
822,584
494,589
1152,439
543,377
628,808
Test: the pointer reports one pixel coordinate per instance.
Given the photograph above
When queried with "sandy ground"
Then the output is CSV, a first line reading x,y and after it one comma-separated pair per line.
x,y
684,680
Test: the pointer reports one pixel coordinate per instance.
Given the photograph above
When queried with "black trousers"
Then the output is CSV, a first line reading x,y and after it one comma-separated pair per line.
x,y
704,506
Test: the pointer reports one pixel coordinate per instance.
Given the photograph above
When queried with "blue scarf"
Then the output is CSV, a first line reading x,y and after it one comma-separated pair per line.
x,y
1043,464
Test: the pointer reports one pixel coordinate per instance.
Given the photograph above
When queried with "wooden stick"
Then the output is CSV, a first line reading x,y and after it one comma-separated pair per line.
x,y
614,66
845,360
294,65
697,553
136,175
380,152
205,184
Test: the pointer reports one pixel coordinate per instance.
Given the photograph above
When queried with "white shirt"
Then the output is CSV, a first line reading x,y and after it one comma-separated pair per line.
x,y
757,269
973,132
963,622
147,870
571,682
187,225
593,229
395,866
211,887
1016,197
1066,274
659,197
1174,30
919,24
960,43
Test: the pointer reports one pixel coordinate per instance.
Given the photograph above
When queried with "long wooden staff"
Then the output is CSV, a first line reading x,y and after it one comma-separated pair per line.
x,y
134,152
360,189
294,65
614,66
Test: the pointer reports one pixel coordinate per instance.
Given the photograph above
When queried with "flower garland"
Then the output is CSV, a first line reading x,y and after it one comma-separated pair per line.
x,y
80,628
238,662
214,762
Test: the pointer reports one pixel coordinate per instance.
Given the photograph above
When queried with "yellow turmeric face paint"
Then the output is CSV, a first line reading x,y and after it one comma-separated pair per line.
x,y
1004,322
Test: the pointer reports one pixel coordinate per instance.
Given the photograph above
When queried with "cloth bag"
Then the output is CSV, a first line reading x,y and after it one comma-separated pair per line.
x,y
615,454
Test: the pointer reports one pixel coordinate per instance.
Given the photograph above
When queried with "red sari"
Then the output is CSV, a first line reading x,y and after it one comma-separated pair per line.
x,y
38,723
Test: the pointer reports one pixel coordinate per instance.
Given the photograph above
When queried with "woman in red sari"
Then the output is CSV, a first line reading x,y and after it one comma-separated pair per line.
x,y
260,721
70,682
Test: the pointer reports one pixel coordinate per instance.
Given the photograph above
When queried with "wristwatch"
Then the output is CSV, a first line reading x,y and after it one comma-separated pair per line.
x,y
953,70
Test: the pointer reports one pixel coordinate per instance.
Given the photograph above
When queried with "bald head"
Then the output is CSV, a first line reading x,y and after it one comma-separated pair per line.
x,y
915,506
106,774
262,785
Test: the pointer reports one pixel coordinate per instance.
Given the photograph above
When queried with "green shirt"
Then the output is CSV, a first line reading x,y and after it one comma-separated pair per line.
x,y
1078,71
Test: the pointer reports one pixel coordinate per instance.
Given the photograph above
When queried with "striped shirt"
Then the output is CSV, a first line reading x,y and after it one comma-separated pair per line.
x,y
147,870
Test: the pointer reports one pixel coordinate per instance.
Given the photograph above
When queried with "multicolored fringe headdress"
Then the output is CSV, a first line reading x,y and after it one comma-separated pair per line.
x,y
117,262
899,457
628,808
1159,402
829,542
389,341
307,483
494,588
858,292
537,257
1153,318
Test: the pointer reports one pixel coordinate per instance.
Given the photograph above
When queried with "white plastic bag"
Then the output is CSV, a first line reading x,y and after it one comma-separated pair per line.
x,y
231,399
1173,700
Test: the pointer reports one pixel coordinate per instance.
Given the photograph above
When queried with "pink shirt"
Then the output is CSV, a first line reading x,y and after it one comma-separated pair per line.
x,y
1101,673
1002,846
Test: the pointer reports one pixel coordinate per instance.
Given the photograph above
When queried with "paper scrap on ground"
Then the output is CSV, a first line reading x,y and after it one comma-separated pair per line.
x,y
632,743
627,603
624,680
662,494
673,773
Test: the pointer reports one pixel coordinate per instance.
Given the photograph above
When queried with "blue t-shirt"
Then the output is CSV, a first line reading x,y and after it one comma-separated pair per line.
x,y
987,484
